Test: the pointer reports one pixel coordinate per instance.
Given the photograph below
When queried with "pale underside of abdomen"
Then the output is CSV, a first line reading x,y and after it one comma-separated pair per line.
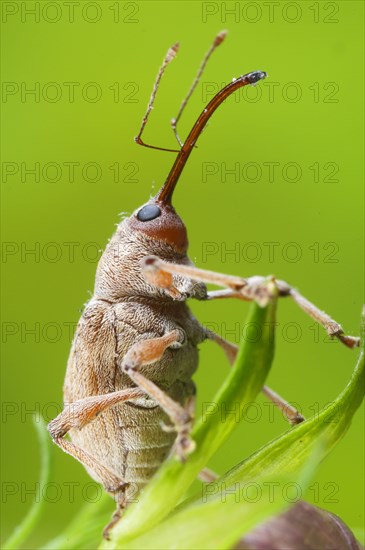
x,y
129,441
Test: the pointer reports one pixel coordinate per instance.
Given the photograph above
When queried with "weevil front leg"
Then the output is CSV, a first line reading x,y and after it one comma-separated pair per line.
x,y
147,352
293,416
253,288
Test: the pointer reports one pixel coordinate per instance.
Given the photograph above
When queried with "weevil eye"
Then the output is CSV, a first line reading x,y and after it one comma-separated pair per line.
x,y
149,212
165,225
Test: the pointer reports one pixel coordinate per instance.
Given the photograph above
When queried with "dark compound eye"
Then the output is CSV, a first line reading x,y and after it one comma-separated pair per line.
x,y
148,212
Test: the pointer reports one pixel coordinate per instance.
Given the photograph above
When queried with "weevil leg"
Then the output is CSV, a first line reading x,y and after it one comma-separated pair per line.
x,y
252,288
171,53
226,293
147,352
291,413
293,416
77,415
207,475
115,518
217,41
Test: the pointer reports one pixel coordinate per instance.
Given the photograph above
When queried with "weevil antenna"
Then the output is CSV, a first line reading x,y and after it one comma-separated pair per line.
x,y
171,54
217,41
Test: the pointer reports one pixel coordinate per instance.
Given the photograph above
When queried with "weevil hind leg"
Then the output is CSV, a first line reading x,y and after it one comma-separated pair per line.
x,y
160,272
77,415
109,480
146,352
291,413
117,515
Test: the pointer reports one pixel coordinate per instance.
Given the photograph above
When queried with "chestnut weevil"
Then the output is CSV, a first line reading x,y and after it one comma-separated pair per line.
x,y
128,391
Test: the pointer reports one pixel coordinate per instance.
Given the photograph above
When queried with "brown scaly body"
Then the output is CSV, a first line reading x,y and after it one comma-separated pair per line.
x,y
129,438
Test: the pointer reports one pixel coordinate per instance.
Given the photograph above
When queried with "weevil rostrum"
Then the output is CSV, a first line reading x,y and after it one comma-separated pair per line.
x,y
128,391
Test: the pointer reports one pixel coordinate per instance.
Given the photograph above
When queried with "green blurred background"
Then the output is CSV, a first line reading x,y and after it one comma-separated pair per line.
x,y
296,145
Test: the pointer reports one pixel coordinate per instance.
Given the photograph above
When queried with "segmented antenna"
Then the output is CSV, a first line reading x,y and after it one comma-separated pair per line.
x,y
169,57
217,41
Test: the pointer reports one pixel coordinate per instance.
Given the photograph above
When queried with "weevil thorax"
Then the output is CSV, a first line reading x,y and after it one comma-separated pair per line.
x,y
153,229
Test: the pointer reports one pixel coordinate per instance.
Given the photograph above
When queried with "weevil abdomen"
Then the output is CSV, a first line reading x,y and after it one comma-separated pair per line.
x,y
129,438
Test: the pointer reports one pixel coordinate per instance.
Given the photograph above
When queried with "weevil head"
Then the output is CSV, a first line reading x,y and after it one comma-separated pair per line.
x,y
158,221
153,229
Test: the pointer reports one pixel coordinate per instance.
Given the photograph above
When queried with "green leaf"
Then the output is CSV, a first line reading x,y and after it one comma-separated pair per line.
x,y
289,452
85,529
28,524
197,525
221,522
172,480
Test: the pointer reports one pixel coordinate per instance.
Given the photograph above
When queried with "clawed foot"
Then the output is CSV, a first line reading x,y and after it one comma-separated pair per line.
x,y
115,518
183,445
260,289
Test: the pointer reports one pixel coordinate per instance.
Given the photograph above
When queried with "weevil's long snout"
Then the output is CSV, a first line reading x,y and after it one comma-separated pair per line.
x,y
166,192
158,218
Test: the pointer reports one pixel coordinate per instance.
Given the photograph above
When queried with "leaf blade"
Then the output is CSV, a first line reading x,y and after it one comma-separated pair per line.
x,y
245,380
222,521
196,525
24,529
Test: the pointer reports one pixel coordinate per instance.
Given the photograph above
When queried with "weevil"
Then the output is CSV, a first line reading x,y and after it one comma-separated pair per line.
x,y
128,391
